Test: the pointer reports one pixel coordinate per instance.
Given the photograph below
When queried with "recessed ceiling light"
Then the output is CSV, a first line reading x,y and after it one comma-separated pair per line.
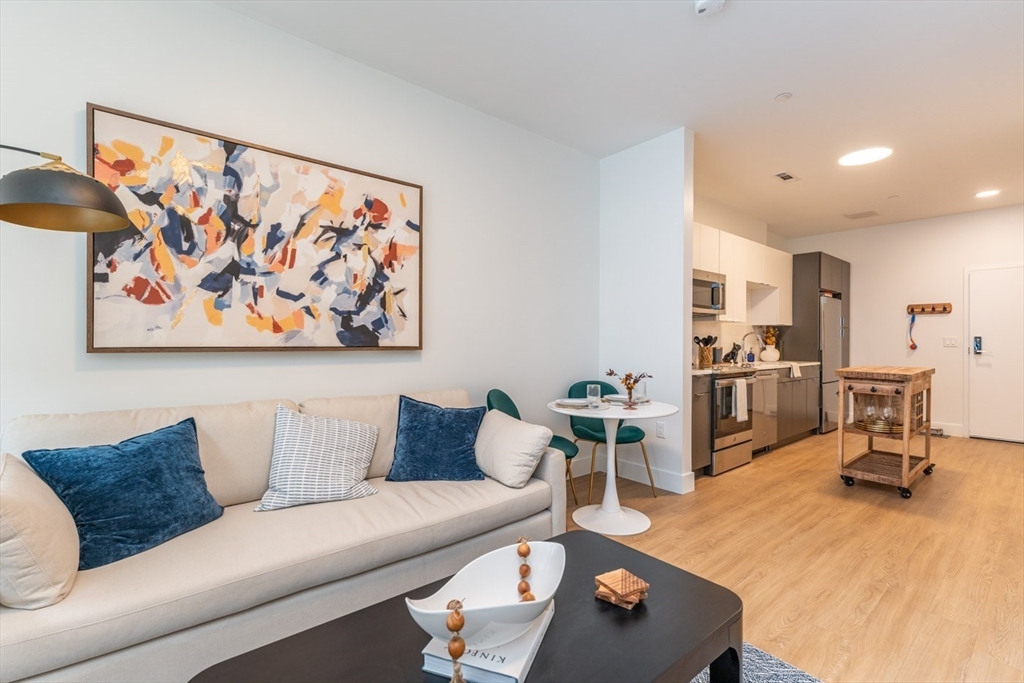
x,y
987,193
865,156
783,96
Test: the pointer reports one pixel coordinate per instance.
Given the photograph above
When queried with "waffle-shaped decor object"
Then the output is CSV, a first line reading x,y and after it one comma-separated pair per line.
x,y
621,588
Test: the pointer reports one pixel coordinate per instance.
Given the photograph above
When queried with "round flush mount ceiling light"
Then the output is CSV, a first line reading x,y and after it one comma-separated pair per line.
x,y
987,193
865,156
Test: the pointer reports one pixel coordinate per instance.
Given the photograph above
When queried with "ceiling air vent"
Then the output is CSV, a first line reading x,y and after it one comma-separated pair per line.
x,y
862,214
786,177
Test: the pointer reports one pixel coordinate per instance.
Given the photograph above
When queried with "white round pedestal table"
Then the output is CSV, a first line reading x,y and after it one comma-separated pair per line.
x,y
609,517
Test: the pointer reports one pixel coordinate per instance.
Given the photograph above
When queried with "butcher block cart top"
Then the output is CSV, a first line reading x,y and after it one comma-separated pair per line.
x,y
889,403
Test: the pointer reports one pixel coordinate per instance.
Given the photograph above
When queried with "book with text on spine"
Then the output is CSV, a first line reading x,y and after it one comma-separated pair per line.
x,y
508,663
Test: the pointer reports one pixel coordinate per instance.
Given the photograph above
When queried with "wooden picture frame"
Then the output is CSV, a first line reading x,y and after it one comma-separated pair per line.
x,y
239,247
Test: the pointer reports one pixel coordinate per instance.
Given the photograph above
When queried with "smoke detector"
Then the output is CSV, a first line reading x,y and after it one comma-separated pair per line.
x,y
705,8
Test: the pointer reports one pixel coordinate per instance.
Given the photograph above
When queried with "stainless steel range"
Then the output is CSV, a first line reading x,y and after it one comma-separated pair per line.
x,y
732,427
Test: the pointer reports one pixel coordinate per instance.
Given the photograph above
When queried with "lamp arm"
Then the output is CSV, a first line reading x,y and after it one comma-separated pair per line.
x,y
45,155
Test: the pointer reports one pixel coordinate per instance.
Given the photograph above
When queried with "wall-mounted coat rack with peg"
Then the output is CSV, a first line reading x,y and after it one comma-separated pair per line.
x,y
929,309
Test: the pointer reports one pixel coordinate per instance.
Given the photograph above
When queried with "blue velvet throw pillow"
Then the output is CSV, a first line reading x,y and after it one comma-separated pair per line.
x,y
130,496
434,443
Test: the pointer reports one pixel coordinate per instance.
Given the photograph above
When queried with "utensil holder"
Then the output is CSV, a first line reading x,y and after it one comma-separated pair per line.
x,y
704,357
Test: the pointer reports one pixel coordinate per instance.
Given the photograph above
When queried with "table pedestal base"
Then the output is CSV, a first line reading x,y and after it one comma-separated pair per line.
x,y
625,522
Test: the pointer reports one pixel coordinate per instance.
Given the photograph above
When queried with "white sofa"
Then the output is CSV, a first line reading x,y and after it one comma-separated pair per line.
x,y
251,578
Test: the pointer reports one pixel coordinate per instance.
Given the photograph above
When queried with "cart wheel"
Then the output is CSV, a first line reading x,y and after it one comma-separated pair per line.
x,y
928,470
847,480
905,492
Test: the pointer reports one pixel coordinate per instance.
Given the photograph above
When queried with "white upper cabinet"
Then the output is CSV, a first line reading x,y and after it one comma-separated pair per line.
x,y
753,257
758,279
710,249
705,248
770,298
733,256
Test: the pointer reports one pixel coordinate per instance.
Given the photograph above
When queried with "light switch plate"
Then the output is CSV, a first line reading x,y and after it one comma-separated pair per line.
x,y
659,429
950,342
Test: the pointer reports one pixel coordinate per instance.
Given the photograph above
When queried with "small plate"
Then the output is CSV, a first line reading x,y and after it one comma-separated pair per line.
x,y
571,402
623,398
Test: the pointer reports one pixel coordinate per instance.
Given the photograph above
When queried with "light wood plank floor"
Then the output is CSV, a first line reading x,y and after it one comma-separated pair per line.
x,y
858,584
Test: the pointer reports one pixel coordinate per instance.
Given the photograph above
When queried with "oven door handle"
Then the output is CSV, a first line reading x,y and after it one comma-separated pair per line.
x,y
723,383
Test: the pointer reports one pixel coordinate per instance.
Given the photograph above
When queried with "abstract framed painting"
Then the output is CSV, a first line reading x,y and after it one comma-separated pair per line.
x,y
237,247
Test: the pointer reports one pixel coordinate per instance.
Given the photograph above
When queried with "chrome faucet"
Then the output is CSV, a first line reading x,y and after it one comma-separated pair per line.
x,y
743,345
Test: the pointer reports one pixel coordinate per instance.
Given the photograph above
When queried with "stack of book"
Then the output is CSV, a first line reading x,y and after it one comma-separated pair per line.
x,y
621,588
508,663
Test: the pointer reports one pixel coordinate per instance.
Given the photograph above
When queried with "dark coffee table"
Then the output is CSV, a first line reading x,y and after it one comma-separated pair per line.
x,y
686,624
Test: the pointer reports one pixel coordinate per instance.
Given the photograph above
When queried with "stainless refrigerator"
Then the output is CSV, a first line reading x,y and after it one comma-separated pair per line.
x,y
831,332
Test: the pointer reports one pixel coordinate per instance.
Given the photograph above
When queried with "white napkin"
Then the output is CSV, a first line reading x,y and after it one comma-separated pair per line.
x,y
795,369
739,400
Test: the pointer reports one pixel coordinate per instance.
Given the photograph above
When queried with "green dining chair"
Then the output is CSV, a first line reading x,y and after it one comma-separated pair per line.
x,y
499,400
592,429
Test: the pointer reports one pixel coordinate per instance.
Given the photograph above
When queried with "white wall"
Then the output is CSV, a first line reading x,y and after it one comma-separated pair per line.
x,y
709,212
645,262
920,262
510,223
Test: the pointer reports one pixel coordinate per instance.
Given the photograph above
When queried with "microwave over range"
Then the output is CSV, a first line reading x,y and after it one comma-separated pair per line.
x,y
708,294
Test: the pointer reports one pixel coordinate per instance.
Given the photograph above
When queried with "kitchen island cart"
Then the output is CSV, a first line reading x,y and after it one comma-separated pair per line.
x,y
890,403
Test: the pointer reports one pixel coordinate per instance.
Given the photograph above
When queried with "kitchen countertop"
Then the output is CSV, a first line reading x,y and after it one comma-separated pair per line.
x,y
758,365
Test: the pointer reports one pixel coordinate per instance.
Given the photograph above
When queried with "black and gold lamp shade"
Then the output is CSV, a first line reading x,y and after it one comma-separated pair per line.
x,y
55,196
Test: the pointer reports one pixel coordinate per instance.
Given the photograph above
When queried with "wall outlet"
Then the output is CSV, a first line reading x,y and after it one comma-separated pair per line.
x,y
950,342
659,428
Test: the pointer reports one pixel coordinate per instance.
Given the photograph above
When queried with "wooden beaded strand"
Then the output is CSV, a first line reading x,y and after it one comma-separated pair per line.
x,y
524,570
456,646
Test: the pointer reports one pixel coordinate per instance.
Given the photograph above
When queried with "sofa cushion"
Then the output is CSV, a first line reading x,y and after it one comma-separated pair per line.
x,y
236,440
434,443
508,449
130,496
248,558
38,539
381,411
318,459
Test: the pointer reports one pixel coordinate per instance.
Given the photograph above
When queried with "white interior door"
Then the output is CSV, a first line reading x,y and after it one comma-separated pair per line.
x,y
996,373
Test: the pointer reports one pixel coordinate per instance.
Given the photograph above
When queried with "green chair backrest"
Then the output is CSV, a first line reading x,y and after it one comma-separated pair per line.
x,y
499,400
579,390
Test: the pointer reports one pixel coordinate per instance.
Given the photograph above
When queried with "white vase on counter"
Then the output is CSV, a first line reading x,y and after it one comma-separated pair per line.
x,y
770,354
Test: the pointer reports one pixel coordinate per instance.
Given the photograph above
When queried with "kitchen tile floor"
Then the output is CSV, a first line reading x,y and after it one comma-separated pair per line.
x,y
858,584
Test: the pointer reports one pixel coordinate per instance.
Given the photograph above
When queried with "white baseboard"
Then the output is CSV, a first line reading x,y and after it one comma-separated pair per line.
x,y
636,471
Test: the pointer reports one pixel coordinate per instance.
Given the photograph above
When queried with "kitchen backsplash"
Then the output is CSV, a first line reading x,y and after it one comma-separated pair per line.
x,y
729,333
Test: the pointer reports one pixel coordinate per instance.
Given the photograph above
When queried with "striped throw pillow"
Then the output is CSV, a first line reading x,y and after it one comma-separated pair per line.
x,y
317,459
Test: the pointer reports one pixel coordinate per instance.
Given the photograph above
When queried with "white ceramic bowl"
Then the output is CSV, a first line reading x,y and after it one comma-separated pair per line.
x,y
487,587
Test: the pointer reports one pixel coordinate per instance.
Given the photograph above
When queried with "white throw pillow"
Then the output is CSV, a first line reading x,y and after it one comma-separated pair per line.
x,y
508,449
318,459
38,539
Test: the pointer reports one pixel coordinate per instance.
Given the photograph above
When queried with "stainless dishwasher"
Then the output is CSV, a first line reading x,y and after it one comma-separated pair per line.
x,y
766,410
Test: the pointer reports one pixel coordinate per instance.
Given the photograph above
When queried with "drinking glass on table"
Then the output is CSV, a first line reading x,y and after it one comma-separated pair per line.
x,y
640,392
593,395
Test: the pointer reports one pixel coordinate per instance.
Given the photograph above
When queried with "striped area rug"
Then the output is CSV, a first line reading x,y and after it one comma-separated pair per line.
x,y
761,667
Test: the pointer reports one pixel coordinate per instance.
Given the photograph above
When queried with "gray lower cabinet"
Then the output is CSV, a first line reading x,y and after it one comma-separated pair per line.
x,y
798,406
811,389
787,426
700,426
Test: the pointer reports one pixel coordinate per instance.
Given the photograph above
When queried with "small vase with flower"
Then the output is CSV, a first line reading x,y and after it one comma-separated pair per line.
x,y
629,381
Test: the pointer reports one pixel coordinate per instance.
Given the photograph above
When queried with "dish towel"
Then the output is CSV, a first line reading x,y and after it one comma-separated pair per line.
x,y
795,370
739,400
